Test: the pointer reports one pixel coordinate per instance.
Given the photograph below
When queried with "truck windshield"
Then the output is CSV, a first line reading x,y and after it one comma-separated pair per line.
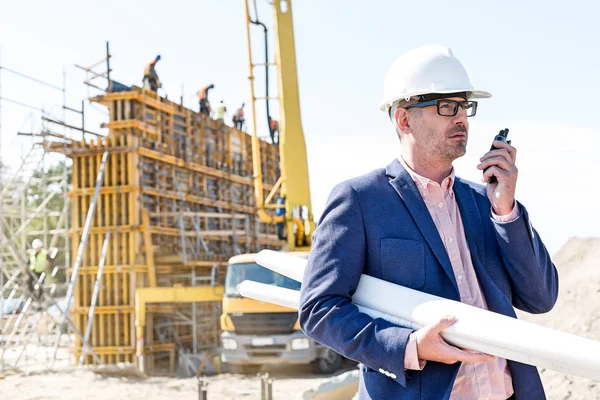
x,y
237,273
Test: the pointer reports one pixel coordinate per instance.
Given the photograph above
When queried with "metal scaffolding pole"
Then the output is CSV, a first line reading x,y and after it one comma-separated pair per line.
x,y
80,250
88,328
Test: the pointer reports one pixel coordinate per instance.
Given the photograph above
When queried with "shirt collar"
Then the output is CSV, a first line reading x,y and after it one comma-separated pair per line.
x,y
423,183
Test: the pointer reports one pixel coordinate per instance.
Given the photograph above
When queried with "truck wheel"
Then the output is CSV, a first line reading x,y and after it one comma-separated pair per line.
x,y
328,362
245,369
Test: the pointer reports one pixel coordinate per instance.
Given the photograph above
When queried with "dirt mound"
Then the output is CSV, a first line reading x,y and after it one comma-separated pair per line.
x,y
577,311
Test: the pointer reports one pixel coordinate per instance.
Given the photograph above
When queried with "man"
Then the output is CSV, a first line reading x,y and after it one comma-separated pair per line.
x,y
238,118
220,112
416,224
151,81
39,263
203,99
274,130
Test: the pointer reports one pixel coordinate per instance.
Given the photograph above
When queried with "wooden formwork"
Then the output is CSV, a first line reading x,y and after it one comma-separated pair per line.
x,y
178,198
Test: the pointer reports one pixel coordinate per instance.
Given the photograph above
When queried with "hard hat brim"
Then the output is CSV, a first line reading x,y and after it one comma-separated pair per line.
x,y
480,94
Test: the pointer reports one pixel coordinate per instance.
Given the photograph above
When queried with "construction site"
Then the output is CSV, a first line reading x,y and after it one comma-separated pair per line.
x,y
121,254
136,250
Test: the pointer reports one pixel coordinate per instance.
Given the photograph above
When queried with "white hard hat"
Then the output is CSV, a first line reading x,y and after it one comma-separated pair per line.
x,y
424,70
37,244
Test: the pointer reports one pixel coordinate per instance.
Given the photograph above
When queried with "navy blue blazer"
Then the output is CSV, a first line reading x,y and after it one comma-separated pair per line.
x,y
379,225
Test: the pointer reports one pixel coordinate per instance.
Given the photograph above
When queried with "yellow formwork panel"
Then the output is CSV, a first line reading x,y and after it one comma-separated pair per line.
x,y
168,168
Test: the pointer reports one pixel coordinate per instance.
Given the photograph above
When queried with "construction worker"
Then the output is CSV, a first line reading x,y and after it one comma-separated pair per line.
x,y
220,112
274,130
39,263
415,224
238,118
281,234
151,81
203,99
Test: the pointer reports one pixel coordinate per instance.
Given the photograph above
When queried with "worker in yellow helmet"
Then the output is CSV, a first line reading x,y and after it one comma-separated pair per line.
x,y
203,99
151,81
220,112
39,263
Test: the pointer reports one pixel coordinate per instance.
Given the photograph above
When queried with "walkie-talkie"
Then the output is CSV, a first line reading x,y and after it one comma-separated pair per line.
x,y
501,137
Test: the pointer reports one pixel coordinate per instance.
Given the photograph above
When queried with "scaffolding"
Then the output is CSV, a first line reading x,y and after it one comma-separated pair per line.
x,y
29,196
33,205
28,212
176,201
177,197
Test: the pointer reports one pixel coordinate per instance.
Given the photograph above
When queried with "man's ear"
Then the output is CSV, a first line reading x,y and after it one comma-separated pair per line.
x,y
401,119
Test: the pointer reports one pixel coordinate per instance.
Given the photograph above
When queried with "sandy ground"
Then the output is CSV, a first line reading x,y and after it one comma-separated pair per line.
x,y
577,311
76,384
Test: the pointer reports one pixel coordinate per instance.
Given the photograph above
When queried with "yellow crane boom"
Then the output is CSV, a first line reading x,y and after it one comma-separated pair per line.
x,y
293,184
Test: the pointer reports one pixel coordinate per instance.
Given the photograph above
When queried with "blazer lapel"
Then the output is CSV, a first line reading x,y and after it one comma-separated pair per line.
x,y
407,190
473,225
471,220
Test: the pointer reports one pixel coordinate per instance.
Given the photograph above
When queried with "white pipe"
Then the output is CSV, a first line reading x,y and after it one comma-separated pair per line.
x,y
475,328
291,299
270,294
284,264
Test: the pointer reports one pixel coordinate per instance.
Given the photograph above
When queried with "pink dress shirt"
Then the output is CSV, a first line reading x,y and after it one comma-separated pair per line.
x,y
491,380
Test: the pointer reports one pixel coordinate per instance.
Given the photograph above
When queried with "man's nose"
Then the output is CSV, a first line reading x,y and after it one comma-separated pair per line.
x,y
460,117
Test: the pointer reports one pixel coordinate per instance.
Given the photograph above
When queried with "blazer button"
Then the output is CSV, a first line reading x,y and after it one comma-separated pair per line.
x,y
393,376
382,371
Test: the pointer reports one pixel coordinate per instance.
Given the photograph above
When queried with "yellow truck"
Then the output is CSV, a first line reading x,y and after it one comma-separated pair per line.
x,y
257,333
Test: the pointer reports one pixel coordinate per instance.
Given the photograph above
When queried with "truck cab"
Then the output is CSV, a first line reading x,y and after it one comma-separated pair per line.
x,y
255,333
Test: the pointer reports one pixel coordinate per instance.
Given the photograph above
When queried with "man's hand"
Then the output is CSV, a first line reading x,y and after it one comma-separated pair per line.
x,y
501,163
432,347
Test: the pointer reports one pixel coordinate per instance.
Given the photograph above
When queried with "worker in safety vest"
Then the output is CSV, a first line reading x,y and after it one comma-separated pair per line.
x,y
238,118
220,111
203,99
151,81
281,234
39,263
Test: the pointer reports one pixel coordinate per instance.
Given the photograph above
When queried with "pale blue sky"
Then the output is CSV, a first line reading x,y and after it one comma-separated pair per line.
x,y
538,58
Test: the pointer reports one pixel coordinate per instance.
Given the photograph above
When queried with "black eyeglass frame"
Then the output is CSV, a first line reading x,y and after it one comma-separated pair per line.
x,y
465,105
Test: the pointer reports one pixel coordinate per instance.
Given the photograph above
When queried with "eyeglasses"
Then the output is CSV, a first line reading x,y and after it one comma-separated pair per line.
x,y
448,108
